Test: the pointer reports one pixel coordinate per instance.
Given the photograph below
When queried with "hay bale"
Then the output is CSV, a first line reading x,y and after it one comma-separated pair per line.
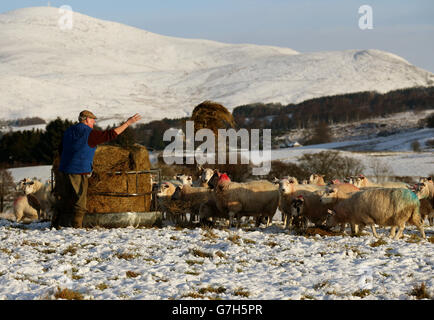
x,y
109,159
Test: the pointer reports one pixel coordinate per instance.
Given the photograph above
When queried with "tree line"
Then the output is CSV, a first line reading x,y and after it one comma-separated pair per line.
x,y
39,147
335,109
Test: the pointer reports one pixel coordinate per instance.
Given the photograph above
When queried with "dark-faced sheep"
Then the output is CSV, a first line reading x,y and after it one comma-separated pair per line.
x,y
297,218
385,207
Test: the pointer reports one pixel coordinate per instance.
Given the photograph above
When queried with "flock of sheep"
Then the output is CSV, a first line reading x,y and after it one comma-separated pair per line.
x,y
356,201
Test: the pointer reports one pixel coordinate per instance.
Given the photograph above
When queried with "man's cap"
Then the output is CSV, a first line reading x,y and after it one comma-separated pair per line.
x,y
86,114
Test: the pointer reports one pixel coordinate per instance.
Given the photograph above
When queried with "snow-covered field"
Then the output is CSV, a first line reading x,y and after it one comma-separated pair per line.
x,y
175,263
254,263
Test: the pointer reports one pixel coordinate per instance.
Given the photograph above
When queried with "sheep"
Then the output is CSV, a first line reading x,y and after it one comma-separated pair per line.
x,y
204,175
258,198
297,208
385,207
348,180
334,182
313,209
27,206
363,182
192,197
209,210
42,192
429,184
317,179
164,195
335,193
292,180
20,185
184,179
427,210
425,193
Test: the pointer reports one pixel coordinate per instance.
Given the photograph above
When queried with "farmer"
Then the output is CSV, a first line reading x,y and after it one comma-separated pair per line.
x,y
77,151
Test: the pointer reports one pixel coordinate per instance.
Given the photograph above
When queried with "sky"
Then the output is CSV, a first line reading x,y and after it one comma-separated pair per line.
x,y
403,27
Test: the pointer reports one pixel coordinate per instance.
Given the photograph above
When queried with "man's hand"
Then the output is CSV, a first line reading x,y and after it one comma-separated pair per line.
x,y
134,119
127,123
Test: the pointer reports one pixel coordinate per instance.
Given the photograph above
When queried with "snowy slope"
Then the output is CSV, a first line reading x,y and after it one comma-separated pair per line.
x,y
117,70
265,263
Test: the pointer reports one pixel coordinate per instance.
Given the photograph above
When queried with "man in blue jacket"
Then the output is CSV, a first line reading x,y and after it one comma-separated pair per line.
x,y
77,151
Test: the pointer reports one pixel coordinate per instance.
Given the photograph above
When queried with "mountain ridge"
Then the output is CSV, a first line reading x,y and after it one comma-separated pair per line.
x,y
116,70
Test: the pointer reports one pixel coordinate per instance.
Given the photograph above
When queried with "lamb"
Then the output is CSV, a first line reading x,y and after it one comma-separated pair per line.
x,y
258,198
193,197
362,182
385,207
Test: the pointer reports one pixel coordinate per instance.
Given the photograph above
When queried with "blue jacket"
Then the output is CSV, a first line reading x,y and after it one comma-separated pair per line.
x,y
77,156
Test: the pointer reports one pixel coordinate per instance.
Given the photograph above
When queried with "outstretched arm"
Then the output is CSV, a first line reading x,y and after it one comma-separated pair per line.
x,y
97,137
127,123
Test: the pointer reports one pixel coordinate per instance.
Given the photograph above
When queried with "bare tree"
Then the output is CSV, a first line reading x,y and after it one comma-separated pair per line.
x,y
380,169
7,190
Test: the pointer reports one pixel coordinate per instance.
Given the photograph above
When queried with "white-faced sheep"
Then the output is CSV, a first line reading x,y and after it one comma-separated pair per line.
x,y
164,195
429,187
184,179
42,193
425,193
192,197
317,179
21,184
258,198
205,175
384,206
27,207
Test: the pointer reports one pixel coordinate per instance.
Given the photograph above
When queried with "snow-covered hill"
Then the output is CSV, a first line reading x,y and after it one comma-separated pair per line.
x,y
117,70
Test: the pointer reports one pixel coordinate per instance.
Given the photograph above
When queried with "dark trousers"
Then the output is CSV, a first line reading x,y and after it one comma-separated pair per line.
x,y
72,200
